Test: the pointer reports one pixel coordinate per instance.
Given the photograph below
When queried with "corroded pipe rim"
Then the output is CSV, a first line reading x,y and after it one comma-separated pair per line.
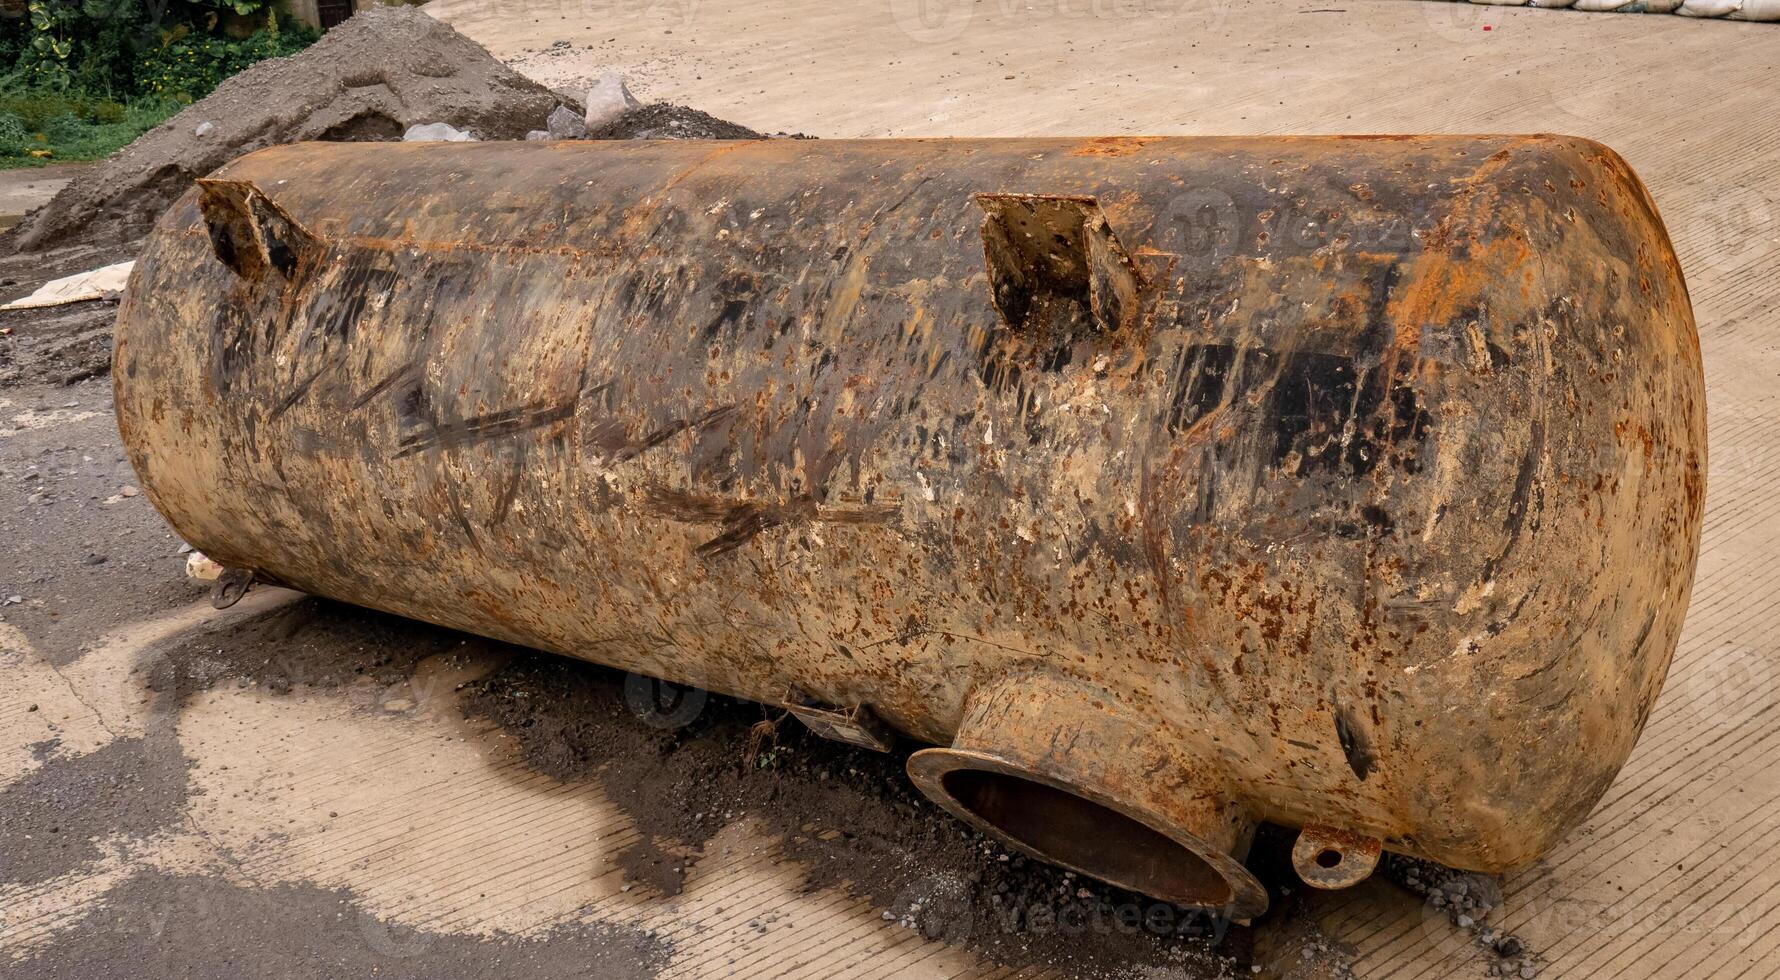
x,y
1242,896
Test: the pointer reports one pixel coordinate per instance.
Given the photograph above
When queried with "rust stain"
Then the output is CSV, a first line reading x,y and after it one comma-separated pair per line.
x,y
1112,146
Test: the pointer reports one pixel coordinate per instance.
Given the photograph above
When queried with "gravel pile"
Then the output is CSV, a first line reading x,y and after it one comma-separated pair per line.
x,y
666,121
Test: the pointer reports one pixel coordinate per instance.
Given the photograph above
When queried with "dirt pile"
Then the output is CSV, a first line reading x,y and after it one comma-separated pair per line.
x,y
371,78
666,121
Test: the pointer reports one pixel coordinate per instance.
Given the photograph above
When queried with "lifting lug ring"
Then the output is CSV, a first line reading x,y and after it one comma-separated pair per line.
x,y
230,586
1327,857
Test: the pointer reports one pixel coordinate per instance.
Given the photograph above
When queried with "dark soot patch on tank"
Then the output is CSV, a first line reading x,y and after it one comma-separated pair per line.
x,y
1310,399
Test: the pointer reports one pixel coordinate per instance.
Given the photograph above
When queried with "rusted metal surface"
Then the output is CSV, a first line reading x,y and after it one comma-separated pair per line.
x,y
1329,857
1341,482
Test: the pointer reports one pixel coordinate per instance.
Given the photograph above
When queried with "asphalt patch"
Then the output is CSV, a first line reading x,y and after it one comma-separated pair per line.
x,y
205,928
58,816
86,550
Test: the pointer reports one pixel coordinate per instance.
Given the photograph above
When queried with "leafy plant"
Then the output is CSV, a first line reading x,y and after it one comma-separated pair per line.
x,y
187,64
245,8
80,78
45,58
15,136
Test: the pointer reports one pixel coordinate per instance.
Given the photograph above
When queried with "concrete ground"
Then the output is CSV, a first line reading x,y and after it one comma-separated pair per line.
x,y
23,188
294,788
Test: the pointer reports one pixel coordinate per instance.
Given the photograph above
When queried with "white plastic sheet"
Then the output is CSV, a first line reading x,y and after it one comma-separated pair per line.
x,y
102,283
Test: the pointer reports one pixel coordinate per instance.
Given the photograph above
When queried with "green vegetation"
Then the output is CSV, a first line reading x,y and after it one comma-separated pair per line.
x,y
72,127
81,78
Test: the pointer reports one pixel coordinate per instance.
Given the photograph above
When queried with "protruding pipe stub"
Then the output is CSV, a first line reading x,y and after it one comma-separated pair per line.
x,y
1052,769
1326,857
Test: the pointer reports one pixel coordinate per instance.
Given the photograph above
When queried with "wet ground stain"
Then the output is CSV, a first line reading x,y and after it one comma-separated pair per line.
x,y
205,928
56,817
849,817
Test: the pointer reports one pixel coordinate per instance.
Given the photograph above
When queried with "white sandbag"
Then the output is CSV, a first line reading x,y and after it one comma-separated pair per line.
x,y
1767,11
437,133
102,283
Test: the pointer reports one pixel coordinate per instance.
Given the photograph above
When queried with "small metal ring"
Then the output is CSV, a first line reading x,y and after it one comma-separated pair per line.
x,y
1326,857
230,586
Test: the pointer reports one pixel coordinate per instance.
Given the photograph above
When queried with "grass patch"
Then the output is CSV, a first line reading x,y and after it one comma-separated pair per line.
x,y
40,128
80,80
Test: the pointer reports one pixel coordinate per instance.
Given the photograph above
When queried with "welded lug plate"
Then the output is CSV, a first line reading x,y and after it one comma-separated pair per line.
x,y
1325,857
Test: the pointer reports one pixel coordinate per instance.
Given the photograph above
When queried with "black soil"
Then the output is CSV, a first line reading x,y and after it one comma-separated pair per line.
x,y
204,928
850,817
55,345
1464,900
314,643
58,345
57,816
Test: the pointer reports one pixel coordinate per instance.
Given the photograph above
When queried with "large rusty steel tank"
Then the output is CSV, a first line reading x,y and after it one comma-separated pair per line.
x,y
1165,486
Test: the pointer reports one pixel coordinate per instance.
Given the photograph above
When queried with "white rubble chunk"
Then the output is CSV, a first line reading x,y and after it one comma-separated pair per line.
x,y
607,100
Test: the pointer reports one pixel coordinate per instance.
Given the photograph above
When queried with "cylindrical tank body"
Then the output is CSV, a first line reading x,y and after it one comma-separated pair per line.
x,y
1189,483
